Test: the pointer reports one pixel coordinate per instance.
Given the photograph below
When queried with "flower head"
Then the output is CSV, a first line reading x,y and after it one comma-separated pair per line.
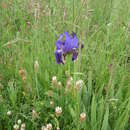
x,y
19,122
36,65
22,126
16,127
58,110
66,44
9,113
49,126
78,85
58,128
54,80
82,116
34,114
59,85
51,103
44,128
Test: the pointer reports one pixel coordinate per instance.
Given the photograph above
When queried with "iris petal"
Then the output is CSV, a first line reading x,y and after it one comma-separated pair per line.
x,y
74,56
66,46
58,55
60,41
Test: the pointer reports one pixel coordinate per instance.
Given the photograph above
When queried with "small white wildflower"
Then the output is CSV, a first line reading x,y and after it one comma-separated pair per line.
x,y
9,113
58,110
68,86
59,84
54,80
16,127
82,116
19,122
22,126
44,128
36,65
58,128
34,114
51,103
49,126
78,85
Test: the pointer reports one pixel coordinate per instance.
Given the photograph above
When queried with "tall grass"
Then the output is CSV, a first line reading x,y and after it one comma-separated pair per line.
x,y
28,33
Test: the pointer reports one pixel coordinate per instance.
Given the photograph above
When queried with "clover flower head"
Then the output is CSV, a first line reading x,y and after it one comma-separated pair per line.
x,y
49,126
19,121
68,86
59,84
51,103
34,114
9,113
66,44
58,110
58,128
16,127
22,126
36,65
44,128
82,116
78,85
54,80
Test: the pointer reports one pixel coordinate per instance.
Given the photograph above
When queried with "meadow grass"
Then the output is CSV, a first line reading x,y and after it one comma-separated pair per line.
x,y
28,33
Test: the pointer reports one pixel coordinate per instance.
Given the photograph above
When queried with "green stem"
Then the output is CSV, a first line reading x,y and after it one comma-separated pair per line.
x,y
73,11
36,84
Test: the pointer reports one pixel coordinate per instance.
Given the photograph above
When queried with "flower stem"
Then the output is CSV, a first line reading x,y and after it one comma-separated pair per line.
x,y
73,11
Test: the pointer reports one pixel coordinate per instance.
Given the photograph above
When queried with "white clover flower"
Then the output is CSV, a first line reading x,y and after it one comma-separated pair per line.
x,y
22,126
49,126
59,84
51,103
78,84
9,113
34,114
82,116
36,65
54,80
16,127
58,110
19,122
58,128
68,86
44,128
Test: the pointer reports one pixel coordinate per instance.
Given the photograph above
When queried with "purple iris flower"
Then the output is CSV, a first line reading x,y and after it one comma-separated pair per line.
x,y
66,44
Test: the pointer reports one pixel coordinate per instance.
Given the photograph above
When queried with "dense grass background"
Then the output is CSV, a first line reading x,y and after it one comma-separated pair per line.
x,y
28,32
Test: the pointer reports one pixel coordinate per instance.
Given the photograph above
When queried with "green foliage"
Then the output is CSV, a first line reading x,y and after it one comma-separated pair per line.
x,y
28,33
